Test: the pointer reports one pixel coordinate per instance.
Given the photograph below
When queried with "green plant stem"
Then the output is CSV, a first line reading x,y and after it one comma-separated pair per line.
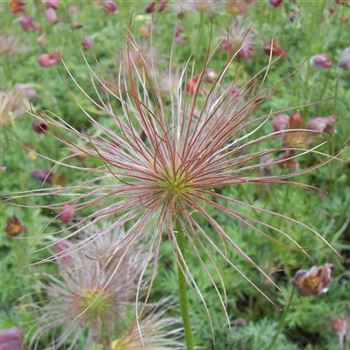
x,y
183,292
281,320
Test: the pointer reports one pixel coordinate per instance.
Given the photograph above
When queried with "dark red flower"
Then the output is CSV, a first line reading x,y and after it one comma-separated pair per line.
x,y
151,7
40,126
314,281
276,3
274,48
14,227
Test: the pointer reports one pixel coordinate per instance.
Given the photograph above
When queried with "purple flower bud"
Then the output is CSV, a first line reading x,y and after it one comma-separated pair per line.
x,y
11,339
324,124
321,61
26,23
40,126
42,175
110,6
344,60
51,15
87,43
151,7
280,122
67,213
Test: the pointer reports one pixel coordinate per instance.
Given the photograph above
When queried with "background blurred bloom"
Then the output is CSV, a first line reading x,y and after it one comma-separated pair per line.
x,y
14,227
42,175
321,61
87,43
11,339
344,60
51,15
110,6
26,23
274,48
48,60
314,281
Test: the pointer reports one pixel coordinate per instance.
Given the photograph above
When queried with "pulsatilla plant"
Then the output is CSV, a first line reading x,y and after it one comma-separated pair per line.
x,y
166,158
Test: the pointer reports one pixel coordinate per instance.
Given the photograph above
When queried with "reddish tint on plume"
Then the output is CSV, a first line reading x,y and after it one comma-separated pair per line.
x,y
274,48
14,227
51,15
48,60
11,339
42,175
321,61
246,52
314,281
40,126
110,6
87,43
276,3
67,213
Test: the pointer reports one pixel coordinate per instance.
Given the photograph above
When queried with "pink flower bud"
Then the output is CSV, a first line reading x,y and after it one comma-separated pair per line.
x,y
62,250
67,213
36,27
276,3
344,60
87,43
162,5
324,124
151,7
26,23
51,4
280,122
110,6
47,60
51,15
42,175
40,126
314,281
321,61
11,339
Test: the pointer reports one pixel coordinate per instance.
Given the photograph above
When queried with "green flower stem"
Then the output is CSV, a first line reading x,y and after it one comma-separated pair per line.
x,y
282,320
181,241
